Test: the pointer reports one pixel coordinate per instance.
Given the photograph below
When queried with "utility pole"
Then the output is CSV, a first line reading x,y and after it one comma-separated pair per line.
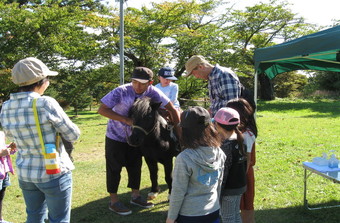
x,y
121,42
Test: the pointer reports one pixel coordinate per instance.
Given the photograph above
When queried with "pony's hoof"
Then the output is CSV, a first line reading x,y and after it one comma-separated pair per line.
x,y
152,195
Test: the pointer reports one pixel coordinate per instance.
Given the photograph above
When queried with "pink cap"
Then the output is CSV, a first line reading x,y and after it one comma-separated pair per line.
x,y
227,116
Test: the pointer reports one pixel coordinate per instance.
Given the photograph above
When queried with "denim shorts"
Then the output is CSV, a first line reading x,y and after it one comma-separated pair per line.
x,y
5,182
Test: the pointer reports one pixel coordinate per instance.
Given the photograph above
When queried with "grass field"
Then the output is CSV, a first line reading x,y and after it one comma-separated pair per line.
x,y
290,132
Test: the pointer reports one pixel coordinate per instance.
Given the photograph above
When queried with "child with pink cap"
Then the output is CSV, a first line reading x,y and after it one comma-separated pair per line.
x,y
249,130
234,178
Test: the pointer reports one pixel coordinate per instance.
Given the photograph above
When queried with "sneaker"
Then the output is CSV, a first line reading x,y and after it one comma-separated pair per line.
x,y
119,208
139,201
153,195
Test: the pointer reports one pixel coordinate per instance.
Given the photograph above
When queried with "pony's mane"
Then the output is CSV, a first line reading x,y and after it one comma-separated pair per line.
x,y
141,107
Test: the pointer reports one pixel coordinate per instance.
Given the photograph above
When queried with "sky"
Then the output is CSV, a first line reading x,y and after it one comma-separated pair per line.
x,y
319,12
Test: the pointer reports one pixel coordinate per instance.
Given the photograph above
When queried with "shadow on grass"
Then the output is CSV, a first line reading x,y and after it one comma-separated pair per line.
x,y
299,215
332,107
97,211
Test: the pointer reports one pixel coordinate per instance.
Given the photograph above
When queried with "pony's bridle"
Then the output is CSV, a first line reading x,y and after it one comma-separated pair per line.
x,y
162,121
140,128
143,130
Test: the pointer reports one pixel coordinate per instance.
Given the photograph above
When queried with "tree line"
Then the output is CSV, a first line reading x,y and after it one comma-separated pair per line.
x,y
80,39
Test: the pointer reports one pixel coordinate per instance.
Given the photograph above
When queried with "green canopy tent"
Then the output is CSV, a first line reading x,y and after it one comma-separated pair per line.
x,y
317,51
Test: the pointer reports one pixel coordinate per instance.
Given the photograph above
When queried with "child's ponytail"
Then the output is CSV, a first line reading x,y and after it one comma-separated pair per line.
x,y
240,142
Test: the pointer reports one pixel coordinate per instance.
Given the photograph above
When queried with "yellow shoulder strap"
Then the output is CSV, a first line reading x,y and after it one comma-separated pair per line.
x,y
37,123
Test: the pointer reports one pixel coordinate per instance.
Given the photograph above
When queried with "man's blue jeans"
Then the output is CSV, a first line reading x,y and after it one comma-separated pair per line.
x,y
56,195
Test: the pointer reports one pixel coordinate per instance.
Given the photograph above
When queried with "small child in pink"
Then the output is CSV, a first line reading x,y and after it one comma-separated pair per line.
x,y
5,168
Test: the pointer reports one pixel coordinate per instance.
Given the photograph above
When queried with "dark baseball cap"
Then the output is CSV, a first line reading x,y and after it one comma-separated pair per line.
x,y
167,73
142,74
195,117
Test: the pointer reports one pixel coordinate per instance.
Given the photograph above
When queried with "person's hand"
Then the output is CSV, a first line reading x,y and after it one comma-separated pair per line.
x,y
128,121
168,220
13,147
5,152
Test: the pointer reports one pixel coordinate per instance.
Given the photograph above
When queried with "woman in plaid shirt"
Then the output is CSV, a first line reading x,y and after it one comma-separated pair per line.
x,y
41,191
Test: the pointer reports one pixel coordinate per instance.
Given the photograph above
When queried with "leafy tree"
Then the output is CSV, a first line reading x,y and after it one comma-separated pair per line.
x,y
191,89
289,84
84,4
80,39
258,26
328,80
170,33
228,39
55,34
7,86
23,2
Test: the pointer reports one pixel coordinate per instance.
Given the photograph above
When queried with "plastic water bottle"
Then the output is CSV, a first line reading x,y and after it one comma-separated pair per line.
x,y
333,162
324,160
321,161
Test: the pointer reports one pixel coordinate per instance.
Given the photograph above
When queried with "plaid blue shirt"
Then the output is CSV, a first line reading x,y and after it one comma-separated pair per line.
x,y
223,85
17,120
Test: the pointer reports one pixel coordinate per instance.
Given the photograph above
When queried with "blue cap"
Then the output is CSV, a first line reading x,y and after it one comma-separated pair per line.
x,y
167,73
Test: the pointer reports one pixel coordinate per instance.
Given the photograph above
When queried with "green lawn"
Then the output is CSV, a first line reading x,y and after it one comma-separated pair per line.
x,y
290,132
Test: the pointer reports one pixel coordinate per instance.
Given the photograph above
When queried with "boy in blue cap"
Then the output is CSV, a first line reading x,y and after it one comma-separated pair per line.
x,y
169,88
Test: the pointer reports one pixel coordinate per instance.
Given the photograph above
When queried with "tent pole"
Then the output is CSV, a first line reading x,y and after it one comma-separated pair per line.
x,y
255,93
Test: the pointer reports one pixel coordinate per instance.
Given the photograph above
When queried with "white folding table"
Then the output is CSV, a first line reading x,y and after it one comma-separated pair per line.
x,y
332,174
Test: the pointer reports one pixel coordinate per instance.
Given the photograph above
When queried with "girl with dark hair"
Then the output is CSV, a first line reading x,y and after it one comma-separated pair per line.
x,y
234,178
249,129
197,175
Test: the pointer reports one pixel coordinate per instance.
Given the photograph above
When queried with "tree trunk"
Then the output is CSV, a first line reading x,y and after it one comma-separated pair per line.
x,y
266,88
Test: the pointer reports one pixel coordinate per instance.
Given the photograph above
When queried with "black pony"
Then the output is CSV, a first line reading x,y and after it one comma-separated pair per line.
x,y
155,138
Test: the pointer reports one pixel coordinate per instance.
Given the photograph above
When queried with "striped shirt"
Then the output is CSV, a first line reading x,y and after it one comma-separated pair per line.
x,y
223,85
17,120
